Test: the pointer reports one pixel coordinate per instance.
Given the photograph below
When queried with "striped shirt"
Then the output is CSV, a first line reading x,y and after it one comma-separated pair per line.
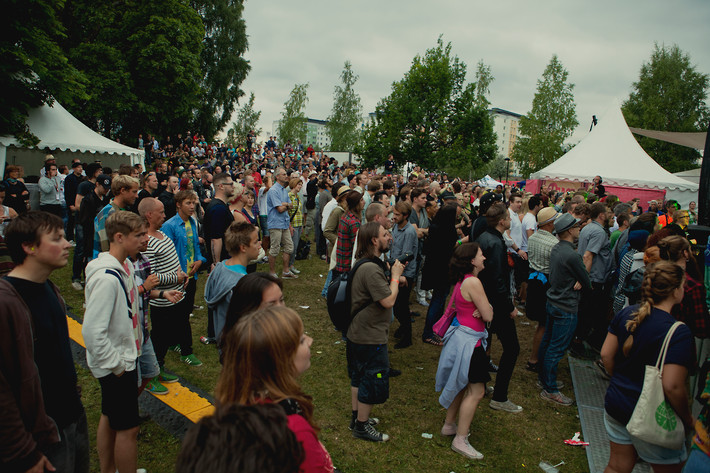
x,y
540,246
165,264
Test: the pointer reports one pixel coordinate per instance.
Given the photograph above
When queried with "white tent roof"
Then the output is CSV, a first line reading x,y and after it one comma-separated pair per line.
x,y
58,129
488,182
611,151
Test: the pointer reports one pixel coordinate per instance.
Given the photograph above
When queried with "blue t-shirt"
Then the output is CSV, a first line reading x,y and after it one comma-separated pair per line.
x,y
237,268
626,383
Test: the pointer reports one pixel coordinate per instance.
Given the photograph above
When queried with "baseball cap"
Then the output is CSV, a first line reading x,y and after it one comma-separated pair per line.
x,y
104,180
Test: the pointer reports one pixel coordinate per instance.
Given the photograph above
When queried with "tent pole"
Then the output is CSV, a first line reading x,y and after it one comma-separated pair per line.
x,y
704,189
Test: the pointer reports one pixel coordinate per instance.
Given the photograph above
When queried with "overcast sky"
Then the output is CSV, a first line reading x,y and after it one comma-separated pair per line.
x,y
601,43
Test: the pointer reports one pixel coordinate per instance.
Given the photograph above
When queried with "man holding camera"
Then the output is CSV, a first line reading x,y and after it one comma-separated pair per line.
x,y
404,242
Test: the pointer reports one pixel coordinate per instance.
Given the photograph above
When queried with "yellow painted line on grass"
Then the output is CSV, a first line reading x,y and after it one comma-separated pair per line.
x,y
180,398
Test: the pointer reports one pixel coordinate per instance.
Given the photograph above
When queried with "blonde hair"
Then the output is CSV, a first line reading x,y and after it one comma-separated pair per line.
x,y
121,182
238,192
659,282
124,222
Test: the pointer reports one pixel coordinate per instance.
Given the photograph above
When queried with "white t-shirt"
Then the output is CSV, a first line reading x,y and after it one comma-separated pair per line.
x,y
261,200
516,231
327,210
529,223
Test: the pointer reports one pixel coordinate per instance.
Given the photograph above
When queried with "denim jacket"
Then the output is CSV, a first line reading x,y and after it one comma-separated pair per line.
x,y
174,228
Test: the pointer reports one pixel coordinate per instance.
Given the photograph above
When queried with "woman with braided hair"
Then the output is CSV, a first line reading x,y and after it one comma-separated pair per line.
x,y
634,340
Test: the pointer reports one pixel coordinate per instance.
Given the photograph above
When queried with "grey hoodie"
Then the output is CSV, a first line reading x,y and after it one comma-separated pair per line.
x,y
218,294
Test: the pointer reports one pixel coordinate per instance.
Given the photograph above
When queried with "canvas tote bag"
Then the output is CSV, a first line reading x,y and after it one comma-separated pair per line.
x,y
654,419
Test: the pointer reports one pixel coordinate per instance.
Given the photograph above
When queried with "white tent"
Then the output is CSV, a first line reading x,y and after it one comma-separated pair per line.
x,y
610,150
488,182
65,137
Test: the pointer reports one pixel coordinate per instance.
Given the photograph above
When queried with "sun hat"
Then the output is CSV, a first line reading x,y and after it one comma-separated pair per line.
x,y
546,215
564,223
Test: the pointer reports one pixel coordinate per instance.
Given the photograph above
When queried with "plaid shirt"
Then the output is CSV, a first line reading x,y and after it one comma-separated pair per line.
x,y
692,310
540,246
100,236
295,214
347,230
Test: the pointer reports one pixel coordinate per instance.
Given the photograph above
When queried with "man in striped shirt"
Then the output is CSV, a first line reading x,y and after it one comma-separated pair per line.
x,y
166,266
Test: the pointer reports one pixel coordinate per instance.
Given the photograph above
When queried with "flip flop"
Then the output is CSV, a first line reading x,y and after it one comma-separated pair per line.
x,y
434,340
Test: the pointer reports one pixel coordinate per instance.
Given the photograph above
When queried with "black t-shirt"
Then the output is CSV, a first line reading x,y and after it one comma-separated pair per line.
x,y
52,350
71,185
90,206
85,187
217,219
389,166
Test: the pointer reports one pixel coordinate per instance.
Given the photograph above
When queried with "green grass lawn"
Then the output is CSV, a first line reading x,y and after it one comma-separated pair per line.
x,y
510,442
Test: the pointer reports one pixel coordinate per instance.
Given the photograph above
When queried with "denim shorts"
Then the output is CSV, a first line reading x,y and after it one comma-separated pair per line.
x,y
648,452
264,227
147,362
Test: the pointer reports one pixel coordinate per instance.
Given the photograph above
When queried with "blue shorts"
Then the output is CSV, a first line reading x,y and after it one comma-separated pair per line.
x,y
648,452
147,362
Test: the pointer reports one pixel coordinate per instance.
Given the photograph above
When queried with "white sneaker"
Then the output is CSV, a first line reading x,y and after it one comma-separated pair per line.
x,y
422,302
294,270
76,285
506,406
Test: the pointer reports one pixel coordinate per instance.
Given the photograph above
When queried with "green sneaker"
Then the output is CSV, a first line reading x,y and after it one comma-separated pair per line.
x,y
155,387
175,348
166,377
191,360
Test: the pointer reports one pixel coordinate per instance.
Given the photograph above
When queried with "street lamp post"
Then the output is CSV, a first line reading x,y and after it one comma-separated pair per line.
x,y
507,170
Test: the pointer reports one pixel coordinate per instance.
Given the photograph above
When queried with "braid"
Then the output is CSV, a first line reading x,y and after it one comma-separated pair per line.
x,y
641,313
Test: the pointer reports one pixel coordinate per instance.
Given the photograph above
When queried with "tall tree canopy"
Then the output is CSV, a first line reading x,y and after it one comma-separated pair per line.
x,y
292,125
551,121
431,117
670,95
247,120
222,64
346,116
33,67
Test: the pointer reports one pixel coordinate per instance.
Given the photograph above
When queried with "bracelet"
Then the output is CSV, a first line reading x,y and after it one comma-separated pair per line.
x,y
142,287
160,294
458,242
394,280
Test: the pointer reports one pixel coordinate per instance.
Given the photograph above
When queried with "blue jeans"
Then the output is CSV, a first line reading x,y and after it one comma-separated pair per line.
x,y
328,280
78,261
559,331
436,309
697,462
296,237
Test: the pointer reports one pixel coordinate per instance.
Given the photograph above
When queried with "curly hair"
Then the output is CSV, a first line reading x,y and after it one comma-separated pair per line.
x,y
659,282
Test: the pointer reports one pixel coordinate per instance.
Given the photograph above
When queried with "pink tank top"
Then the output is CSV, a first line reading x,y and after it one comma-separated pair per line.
x,y
465,309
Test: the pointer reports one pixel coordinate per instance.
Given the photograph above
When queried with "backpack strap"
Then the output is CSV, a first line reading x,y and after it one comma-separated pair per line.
x,y
351,275
123,286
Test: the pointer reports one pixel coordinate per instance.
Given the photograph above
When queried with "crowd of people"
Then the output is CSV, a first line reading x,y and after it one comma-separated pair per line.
x,y
601,278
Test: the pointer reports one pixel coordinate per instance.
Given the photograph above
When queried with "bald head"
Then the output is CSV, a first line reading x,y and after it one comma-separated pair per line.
x,y
148,204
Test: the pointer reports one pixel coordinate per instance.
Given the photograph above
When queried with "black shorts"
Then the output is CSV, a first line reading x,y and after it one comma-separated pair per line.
x,y
536,302
521,269
368,369
478,368
119,400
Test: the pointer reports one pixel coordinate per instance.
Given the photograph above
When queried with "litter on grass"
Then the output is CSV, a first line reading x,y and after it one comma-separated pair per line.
x,y
547,468
304,307
576,442
427,436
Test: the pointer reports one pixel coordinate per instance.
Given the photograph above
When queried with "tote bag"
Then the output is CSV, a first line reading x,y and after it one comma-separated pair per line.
x,y
654,419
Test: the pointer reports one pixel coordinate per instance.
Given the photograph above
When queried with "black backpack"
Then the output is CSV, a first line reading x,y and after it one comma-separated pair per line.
x,y
304,248
339,298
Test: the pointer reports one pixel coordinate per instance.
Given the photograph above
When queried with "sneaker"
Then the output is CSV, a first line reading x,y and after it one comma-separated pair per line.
x,y
191,360
208,340
155,387
368,432
175,348
288,275
294,270
394,372
197,307
323,257
489,391
465,449
560,384
506,406
492,367
166,377
429,295
448,430
373,421
422,302
559,398
76,285
274,275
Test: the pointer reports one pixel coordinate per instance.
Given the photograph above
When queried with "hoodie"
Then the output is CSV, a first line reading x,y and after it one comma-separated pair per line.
x,y
218,293
111,331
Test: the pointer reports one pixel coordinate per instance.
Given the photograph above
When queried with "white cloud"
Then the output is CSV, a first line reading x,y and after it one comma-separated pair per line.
x,y
602,44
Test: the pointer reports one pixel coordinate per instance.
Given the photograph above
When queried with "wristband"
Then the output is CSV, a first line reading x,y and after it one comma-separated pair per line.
x,y
142,287
394,280
458,242
160,294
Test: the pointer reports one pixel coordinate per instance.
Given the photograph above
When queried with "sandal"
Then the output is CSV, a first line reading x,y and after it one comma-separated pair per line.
x,y
534,367
434,340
